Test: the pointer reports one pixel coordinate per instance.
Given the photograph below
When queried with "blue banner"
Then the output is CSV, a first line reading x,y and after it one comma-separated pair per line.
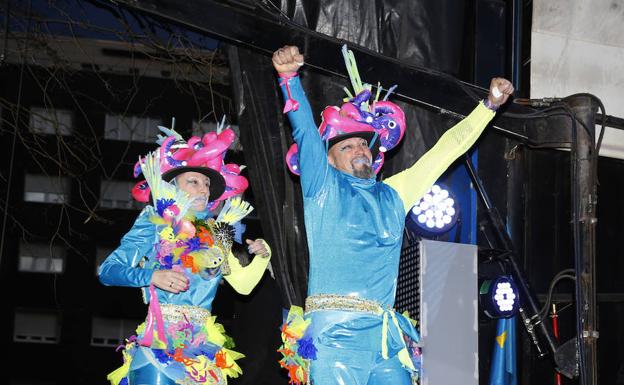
x,y
504,369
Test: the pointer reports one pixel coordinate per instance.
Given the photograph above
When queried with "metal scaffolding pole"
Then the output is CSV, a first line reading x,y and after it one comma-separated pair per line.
x,y
584,220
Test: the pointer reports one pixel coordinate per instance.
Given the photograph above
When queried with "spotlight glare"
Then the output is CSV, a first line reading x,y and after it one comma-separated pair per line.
x,y
499,297
435,213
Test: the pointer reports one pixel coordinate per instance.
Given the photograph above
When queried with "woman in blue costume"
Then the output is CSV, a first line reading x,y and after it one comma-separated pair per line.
x,y
178,254
350,333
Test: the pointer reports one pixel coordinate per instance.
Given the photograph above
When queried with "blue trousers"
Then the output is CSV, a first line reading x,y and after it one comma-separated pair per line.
x,y
349,351
348,367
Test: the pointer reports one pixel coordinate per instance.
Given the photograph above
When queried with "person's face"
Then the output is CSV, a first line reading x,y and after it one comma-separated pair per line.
x,y
197,186
352,156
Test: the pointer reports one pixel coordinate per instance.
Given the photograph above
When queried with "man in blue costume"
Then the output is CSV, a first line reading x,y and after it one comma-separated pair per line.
x,y
355,223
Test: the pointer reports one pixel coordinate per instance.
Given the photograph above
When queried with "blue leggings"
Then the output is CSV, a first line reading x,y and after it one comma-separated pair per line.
x,y
335,366
349,351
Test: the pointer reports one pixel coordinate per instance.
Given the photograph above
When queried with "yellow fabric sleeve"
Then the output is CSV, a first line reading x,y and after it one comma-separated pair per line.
x,y
412,183
244,279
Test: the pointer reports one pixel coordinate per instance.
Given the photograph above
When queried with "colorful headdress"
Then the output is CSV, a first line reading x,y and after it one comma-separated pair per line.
x,y
204,155
381,123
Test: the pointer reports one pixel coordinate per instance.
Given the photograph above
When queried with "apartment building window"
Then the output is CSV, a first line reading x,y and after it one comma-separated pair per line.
x,y
131,128
51,121
32,326
117,195
112,331
199,129
41,258
46,189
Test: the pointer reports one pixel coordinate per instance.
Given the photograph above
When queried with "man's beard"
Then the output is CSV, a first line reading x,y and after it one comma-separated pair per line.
x,y
364,171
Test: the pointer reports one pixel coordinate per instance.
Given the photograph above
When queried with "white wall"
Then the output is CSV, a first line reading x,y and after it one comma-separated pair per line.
x,y
578,46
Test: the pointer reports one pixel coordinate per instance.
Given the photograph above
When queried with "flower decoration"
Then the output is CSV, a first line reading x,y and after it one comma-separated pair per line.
x,y
297,349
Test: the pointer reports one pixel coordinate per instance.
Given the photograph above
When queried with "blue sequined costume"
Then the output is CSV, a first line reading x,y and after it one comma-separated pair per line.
x,y
354,229
196,351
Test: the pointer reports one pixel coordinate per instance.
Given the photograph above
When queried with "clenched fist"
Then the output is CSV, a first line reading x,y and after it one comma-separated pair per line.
x,y
500,90
287,59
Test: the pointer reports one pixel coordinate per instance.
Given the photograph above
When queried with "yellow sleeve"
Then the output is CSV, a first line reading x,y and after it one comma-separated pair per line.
x,y
244,279
411,184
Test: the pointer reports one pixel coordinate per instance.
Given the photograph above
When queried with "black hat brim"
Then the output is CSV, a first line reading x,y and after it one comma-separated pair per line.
x,y
217,182
360,134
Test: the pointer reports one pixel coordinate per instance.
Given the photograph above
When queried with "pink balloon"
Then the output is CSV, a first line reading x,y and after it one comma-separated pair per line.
x,y
349,110
209,151
227,135
335,123
393,119
216,148
209,137
193,141
292,159
236,182
232,168
137,168
166,146
141,191
187,228
378,162
183,154
214,163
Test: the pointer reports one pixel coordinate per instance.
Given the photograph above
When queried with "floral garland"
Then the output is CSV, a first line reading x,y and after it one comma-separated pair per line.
x,y
194,354
190,242
297,348
415,355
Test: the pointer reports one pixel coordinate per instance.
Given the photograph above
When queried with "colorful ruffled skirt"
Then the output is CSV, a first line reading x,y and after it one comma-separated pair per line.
x,y
193,350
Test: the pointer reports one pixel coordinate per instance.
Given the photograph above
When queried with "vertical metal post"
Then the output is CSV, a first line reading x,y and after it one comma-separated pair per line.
x,y
584,226
538,331
516,42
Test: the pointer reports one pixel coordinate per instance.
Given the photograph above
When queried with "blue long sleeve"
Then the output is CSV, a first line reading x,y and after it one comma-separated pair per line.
x,y
313,163
121,267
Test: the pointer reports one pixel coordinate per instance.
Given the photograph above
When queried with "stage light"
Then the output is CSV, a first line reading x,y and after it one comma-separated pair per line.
x,y
499,297
435,213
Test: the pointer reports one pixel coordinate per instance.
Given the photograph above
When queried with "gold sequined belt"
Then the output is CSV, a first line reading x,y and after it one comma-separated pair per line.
x,y
177,313
341,302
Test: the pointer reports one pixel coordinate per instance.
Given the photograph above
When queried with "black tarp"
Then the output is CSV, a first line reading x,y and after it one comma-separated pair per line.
x,y
423,33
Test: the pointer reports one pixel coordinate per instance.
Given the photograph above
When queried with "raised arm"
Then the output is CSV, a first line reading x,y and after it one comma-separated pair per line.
x,y
412,183
312,153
